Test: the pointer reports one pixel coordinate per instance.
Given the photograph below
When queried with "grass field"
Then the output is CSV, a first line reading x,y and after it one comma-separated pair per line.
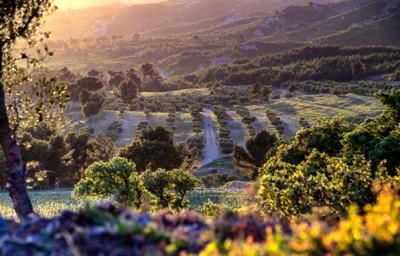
x,y
52,202
310,107
316,107
130,119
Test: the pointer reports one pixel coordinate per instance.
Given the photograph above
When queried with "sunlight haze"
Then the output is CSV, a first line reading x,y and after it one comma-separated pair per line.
x,y
77,4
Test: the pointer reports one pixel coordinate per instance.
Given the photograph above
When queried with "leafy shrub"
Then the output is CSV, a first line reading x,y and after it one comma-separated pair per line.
x,y
169,188
217,179
93,105
319,180
116,178
248,161
212,209
115,129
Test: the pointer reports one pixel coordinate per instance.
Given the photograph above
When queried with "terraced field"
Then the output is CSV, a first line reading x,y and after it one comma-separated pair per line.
x,y
309,107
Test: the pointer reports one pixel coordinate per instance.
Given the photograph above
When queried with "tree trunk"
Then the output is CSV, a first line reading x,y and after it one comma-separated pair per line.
x,y
16,169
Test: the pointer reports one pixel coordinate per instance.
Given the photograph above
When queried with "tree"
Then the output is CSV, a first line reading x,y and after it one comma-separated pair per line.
x,y
169,188
154,148
91,83
159,184
129,88
292,88
183,182
266,92
93,72
325,136
378,139
93,105
262,92
115,178
151,78
19,20
259,145
250,160
256,92
76,156
84,96
318,181
115,78
101,148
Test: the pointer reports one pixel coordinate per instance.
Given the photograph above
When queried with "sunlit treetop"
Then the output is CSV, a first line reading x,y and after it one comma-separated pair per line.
x,y
29,98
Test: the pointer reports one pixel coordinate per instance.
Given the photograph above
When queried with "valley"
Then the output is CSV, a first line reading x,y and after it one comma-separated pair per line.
x,y
200,127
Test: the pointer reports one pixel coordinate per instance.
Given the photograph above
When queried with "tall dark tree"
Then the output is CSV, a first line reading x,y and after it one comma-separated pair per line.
x,y
265,92
91,83
151,78
128,90
152,149
248,161
130,87
292,88
19,20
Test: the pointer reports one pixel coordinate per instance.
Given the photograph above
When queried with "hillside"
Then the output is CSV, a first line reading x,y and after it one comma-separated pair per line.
x,y
304,63
178,46
129,19
328,21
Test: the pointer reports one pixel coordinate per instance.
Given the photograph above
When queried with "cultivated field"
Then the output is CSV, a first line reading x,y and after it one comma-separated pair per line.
x,y
51,203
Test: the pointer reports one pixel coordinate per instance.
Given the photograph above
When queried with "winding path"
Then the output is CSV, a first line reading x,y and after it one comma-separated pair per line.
x,y
211,148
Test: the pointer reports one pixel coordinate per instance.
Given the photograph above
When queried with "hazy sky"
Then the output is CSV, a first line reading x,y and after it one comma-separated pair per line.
x,y
63,4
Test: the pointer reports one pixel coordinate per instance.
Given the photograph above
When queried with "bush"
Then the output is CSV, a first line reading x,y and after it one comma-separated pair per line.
x,y
318,181
169,188
115,129
93,103
217,179
212,209
249,160
91,108
115,178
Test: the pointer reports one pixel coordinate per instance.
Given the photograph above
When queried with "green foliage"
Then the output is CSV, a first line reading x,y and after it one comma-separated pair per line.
x,y
115,178
90,83
259,145
92,103
169,188
183,182
379,139
212,209
159,184
32,95
129,88
319,180
395,76
84,96
70,154
115,129
307,63
154,148
325,136
334,163
152,81
248,161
